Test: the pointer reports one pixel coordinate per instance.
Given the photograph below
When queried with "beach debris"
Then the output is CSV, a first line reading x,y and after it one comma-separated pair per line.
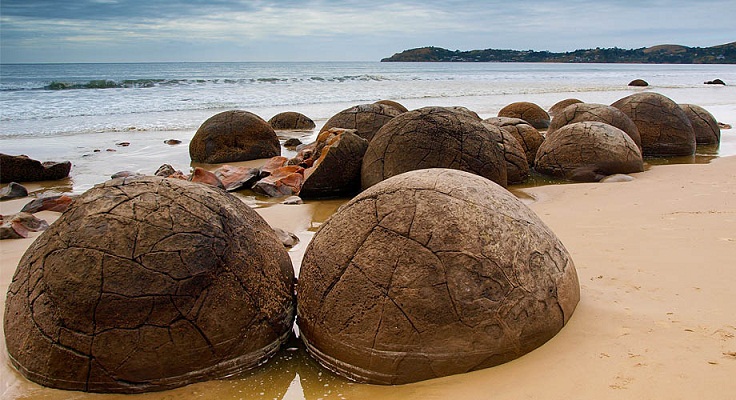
x,y
704,124
588,151
528,136
57,203
664,128
517,167
232,136
156,289
236,178
292,142
393,104
201,175
715,82
366,119
293,200
291,120
172,142
560,105
533,114
433,137
14,190
22,168
288,239
19,225
639,82
596,112
445,268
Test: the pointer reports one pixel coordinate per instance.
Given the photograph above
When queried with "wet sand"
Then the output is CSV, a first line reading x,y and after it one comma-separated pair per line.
x,y
656,262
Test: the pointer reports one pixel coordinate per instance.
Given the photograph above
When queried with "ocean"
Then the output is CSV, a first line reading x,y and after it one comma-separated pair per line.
x,y
68,111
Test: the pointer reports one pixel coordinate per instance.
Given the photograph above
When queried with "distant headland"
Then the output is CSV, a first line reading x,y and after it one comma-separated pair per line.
x,y
661,54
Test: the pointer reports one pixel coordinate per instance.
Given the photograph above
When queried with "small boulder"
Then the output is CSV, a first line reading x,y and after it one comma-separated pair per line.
x,y
528,136
234,136
291,120
288,239
588,151
366,119
336,171
639,82
533,114
715,82
664,128
14,190
292,142
172,142
24,169
705,126
433,137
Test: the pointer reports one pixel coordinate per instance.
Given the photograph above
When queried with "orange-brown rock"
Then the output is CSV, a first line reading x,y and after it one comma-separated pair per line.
x,y
528,136
18,226
596,112
431,273
336,171
588,151
149,284
58,203
366,119
533,114
705,126
291,120
273,164
433,137
664,128
284,181
201,175
235,178
234,135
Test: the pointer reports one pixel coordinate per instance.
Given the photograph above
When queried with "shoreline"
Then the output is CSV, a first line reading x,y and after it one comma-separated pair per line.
x,y
654,258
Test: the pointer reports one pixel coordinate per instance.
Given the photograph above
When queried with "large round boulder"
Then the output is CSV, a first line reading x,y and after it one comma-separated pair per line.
x,y
704,124
291,120
610,115
433,137
517,167
588,151
529,112
366,119
528,136
232,136
560,105
394,104
148,284
431,273
664,128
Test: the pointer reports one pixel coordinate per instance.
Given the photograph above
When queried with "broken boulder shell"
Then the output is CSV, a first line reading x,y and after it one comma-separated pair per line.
x,y
432,273
147,284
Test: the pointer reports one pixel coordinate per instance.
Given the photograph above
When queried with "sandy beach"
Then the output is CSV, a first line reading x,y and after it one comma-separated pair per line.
x,y
655,258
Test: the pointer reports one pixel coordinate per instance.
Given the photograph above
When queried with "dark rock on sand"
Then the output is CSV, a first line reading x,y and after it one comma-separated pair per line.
x,y
596,112
664,128
528,136
337,169
288,239
639,82
234,136
149,284
529,112
291,120
24,169
292,142
432,273
715,82
366,119
433,137
57,203
18,226
588,151
704,124
14,190
172,142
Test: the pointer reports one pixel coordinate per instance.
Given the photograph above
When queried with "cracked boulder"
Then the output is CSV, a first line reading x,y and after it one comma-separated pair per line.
x,y
528,136
291,120
580,112
588,151
433,137
561,105
529,112
517,167
664,128
704,124
232,136
366,119
147,284
432,273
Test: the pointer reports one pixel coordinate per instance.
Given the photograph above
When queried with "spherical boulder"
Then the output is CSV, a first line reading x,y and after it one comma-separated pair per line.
x,y
528,137
291,120
639,82
610,115
588,151
664,128
705,126
393,104
529,112
366,119
560,105
431,273
433,137
147,284
517,167
234,135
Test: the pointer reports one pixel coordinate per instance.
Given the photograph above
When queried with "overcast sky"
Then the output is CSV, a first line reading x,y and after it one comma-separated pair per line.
x,y
324,30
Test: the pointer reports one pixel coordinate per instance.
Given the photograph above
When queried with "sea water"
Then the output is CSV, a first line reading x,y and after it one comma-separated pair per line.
x,y
82,112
